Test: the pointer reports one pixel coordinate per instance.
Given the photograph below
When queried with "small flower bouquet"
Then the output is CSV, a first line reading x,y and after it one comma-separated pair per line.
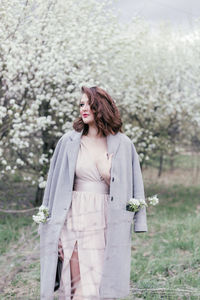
x,y
42,215
135,204
153,200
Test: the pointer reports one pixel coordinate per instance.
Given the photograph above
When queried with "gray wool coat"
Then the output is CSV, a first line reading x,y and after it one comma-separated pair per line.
x,y
126,182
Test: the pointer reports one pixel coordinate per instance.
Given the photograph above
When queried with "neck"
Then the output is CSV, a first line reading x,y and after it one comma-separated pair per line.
x,y
92,131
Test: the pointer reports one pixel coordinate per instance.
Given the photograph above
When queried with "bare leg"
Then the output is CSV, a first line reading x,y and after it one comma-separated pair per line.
x,y
75,270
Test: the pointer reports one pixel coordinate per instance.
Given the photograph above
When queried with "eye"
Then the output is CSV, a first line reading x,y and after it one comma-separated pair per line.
x,y
81,104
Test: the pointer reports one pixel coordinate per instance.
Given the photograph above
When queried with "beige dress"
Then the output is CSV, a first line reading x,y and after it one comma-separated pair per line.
x,y
85,224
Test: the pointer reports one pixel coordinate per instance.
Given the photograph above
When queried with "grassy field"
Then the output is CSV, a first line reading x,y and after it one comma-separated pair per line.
x,y
165,261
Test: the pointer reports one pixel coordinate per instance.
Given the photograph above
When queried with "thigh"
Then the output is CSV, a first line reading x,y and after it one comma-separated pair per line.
x,y
74,264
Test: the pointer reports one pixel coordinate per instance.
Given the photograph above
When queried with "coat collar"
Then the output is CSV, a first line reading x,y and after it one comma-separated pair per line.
x,y
113,142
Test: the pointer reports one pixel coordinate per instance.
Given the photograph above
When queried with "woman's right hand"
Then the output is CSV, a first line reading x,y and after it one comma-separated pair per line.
x,y
60,250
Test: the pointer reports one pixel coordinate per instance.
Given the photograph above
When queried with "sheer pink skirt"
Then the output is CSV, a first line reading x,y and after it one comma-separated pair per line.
x,y
84,231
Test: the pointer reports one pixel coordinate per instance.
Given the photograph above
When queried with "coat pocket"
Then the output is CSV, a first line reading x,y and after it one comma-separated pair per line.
x,y
129,213
120,227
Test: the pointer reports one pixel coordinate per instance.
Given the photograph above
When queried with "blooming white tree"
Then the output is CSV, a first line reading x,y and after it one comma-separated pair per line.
x,y
47,52
165,88
49,49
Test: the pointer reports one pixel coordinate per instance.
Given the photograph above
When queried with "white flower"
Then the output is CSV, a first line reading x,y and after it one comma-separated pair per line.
x,y
12,101
43,159
42,215
19,161
10,112
41,179
4,162
43,207
134,201
142,202
70,88
42,184
153,200
135,204
16,115
36,219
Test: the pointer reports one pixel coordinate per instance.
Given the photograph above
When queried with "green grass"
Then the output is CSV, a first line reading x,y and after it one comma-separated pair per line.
x,y
14,195
165,260
10,229
181,161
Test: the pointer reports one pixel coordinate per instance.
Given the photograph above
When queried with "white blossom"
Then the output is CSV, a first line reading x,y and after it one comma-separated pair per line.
x,y
42,184
153,200
134,201
42,215
52,53
4,162
19,161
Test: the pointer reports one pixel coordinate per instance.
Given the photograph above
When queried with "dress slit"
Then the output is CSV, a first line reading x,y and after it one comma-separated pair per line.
x,y
74,282
76,246
84,230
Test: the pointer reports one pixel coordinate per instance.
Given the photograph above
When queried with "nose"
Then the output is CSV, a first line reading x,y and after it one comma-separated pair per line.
x,y
86,107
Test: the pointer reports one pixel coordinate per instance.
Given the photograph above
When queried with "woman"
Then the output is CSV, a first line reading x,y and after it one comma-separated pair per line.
x,y
93,173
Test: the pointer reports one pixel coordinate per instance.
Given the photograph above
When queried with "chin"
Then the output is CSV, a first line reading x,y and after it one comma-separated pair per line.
x,y
87,121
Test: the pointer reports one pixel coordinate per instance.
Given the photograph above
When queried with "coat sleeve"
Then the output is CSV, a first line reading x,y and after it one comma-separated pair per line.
x,y
53,159
50,173
140,222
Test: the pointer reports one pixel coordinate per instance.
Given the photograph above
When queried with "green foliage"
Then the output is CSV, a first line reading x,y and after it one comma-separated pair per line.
x,y
10,229
181,161
166,260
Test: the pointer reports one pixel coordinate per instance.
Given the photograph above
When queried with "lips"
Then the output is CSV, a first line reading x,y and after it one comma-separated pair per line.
x,y
85,115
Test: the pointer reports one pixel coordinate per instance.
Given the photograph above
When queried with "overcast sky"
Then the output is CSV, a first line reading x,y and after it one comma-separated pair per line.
x,y
179,12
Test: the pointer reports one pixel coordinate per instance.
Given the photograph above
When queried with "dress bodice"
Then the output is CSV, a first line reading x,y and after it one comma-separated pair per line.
x,y
90,194
87,176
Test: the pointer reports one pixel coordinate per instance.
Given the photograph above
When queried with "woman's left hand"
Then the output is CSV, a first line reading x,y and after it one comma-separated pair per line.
x,y
104,165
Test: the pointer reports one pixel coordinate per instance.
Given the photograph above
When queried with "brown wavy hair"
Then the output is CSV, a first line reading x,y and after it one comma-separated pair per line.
x,y
106,113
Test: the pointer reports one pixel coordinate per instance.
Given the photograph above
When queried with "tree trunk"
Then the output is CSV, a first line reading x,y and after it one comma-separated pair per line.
x,y
39,196
48,143
160,165
172,162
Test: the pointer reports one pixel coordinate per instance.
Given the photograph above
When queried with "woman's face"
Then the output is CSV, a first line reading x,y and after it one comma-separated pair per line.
x,y
85,111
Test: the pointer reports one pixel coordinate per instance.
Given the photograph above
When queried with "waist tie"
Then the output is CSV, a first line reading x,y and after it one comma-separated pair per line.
x,y
91,186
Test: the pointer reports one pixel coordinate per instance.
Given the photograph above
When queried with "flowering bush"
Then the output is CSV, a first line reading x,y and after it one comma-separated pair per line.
x,y
136,204
49,51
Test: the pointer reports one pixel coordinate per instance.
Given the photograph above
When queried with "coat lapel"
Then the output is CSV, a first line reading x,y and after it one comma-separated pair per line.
x,y
113,142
